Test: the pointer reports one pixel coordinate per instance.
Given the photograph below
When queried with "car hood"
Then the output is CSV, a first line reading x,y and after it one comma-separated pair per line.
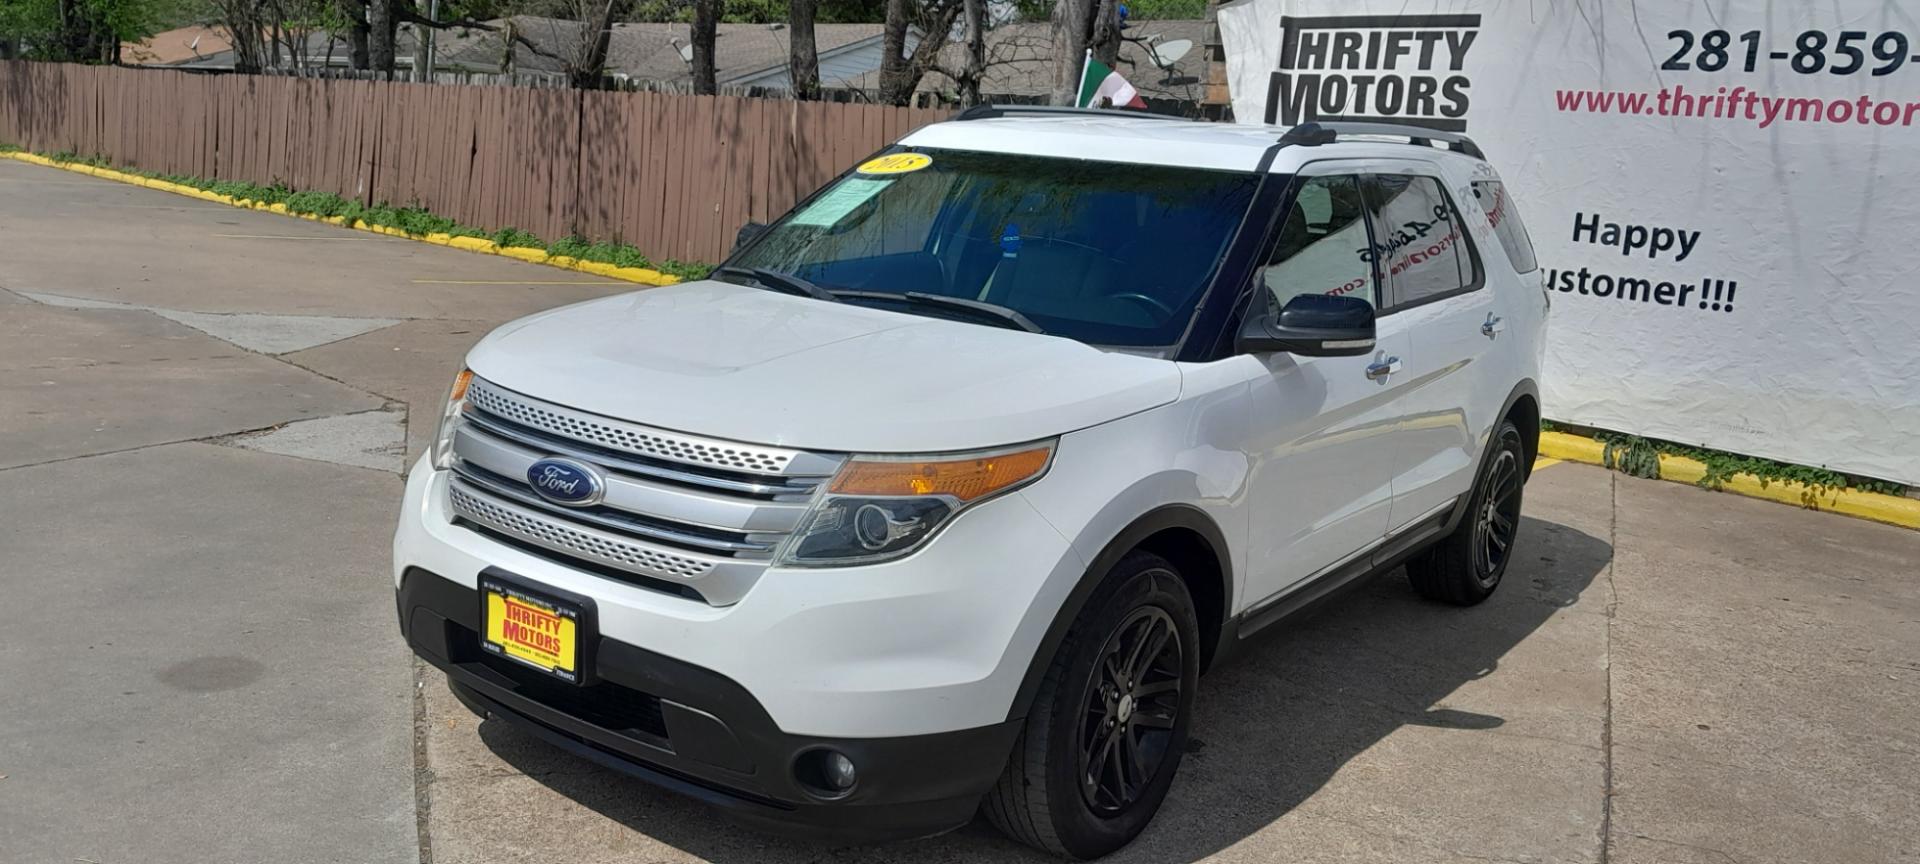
x,y
723,360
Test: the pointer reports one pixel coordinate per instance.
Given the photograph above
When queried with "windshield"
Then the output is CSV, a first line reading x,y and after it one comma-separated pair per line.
x,y
1106,253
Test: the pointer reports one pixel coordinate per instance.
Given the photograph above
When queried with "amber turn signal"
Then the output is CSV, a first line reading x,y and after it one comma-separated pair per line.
x,y
460,383
962,479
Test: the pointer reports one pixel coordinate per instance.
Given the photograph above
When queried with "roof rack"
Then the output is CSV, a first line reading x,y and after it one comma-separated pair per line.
x,y
1328,131
988,112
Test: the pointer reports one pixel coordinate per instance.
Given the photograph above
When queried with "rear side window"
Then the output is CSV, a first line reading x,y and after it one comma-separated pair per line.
x,y
1422,246
1492,195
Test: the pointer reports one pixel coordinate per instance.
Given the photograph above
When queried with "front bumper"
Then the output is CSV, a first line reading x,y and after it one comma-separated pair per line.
x,y
937,641
699,733
910,667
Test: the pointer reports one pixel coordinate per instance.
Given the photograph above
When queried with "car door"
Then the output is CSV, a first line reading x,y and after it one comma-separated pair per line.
x,y
1439,297
1319,451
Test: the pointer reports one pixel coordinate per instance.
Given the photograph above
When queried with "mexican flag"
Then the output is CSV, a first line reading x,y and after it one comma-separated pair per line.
x,y
1097,82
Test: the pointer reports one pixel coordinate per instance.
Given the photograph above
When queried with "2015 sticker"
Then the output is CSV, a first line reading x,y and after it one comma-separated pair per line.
x,y
895,163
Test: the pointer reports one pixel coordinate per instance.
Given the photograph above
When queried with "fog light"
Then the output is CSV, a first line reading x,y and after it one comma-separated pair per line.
x,y
839,772
826,774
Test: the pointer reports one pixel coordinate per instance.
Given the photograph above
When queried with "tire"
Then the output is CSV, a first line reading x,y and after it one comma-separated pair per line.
x,y
1040,799
1464,568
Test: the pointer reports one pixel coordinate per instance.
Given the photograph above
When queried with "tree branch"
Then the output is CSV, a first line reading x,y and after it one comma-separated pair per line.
x,y
402,13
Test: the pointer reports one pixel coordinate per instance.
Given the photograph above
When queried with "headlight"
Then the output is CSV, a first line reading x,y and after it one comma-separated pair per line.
x,y
443,437
882,507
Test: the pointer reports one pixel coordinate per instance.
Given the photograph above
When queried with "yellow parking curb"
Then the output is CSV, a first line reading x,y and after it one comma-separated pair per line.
x,y
482,245
1891,509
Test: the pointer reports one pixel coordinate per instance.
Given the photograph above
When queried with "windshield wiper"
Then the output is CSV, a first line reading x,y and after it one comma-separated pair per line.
x,y
785,283
979,310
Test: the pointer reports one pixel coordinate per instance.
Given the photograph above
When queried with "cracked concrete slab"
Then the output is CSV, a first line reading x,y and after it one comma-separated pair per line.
x,y
85,381
413,362
200,662
262,334
369,439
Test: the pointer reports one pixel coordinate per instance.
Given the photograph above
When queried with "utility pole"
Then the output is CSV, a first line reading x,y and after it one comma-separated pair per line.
x,y
431,38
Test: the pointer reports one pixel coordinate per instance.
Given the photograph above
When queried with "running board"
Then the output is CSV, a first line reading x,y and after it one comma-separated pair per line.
x,y
1385,555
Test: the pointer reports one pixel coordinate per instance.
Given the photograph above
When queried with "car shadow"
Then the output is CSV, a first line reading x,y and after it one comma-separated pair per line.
x,y
1272,725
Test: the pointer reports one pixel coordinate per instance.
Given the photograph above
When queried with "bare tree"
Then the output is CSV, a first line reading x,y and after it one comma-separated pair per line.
x,y
1017,52
247,23
589,57
901,69
803,54
355,12
381,25
706,26
1076,26
974,12
571,40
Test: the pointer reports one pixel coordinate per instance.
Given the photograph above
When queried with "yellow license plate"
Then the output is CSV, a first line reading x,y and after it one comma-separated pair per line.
x,y
533,630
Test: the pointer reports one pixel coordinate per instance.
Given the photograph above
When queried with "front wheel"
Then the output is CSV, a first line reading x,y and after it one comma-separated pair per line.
x,y
1464,568
1109,724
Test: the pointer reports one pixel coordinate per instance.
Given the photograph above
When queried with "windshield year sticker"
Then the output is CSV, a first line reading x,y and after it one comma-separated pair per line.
x,y
834,204
895,163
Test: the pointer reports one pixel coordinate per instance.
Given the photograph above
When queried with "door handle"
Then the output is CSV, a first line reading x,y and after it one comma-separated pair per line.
x,y
1379,371
1494,326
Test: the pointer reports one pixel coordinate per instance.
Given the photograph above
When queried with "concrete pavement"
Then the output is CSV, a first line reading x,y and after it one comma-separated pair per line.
x,y
198,480
200,661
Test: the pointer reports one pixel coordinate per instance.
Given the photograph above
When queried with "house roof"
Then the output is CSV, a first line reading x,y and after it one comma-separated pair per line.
x,y
176,46
643,50
1020,57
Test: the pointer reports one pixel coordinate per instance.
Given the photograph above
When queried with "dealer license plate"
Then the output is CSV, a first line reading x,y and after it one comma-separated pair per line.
x,y
531,627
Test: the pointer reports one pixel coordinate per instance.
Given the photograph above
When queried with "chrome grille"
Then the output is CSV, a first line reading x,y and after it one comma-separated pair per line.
x,y
676,508
631,437
599,547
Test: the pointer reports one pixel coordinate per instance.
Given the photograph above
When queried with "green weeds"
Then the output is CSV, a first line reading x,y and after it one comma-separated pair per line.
x,y
1640,457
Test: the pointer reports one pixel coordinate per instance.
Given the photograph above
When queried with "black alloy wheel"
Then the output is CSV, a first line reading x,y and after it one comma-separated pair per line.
x,y
1465,566
1498,522
1104,736
1133,705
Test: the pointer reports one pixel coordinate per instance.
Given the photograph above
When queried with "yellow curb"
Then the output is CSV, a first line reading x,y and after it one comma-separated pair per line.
x,y
1891,509
482,245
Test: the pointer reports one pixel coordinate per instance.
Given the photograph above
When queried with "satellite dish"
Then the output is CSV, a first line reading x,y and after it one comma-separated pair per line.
x,y
686,51
1166,54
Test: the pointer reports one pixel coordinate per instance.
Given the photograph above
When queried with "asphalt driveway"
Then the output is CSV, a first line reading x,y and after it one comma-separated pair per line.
x,y
204,413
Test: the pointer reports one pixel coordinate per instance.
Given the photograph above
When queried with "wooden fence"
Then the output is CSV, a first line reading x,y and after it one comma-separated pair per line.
x,y
675,175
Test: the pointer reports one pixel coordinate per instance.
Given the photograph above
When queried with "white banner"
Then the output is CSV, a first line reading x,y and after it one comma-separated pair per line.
x,y
1725,197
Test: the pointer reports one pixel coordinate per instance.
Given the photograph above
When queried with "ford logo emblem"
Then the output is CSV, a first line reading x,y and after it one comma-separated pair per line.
x,y
565,481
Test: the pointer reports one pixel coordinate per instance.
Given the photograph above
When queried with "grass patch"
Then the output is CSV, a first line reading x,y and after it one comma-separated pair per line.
x,y
411,220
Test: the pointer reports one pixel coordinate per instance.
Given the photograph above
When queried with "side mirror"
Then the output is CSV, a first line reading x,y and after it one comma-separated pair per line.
x,y
747,233
1312,325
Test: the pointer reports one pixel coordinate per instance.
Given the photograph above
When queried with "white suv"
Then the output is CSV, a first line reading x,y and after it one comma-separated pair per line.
x,y
945,489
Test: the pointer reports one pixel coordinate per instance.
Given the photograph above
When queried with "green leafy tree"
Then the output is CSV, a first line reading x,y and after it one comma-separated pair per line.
x,y
82,31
